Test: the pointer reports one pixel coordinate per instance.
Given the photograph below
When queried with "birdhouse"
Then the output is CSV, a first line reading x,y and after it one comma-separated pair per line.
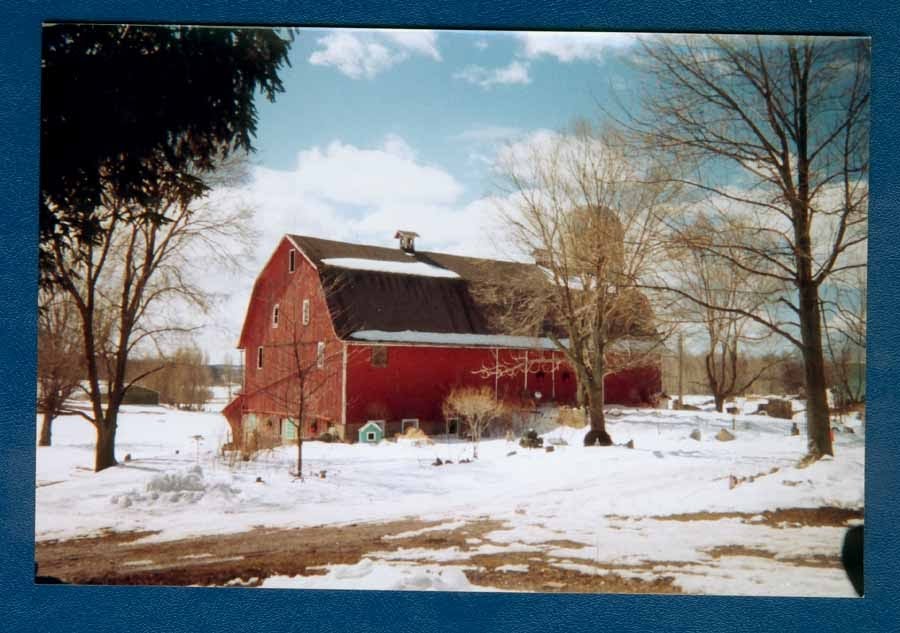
x,y
372,432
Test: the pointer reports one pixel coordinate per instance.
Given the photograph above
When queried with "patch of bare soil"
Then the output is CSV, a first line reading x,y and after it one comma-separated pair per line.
x,y
443,539
115,559
250,557
545,575
783,517
545,578
815,560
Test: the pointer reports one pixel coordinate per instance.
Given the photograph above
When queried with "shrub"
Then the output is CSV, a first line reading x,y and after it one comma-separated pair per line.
x,y
571,417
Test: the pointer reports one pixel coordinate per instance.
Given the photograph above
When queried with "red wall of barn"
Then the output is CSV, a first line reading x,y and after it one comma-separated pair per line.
x,y
635,386
412,385
417,379
269,390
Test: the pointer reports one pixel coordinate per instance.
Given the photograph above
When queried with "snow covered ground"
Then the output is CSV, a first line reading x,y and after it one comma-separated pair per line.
x,y
603,500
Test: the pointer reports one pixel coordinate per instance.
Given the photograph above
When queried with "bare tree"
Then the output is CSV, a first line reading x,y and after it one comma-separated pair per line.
x,y
476,407
845,336
726,296
183,378
132,283
305,367
59,360
580,204
775,131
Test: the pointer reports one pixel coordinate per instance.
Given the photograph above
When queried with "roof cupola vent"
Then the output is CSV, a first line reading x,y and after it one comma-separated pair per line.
x,y
407,240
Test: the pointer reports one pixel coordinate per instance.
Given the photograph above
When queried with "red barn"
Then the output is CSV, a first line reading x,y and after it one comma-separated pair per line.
x,y
359,333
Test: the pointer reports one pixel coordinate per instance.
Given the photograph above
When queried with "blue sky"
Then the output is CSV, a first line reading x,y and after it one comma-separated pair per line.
x,y
379,130
439,99
383,130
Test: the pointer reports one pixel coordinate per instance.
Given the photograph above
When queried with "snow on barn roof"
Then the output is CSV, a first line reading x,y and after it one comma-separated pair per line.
x,y
468,340
403,268
392,295
374,288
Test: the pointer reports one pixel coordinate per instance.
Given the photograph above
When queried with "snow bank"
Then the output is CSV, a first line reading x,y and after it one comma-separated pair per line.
x,y
380,575
186,487
420,269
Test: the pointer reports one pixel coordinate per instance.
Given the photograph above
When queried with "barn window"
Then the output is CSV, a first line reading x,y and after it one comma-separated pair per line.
x,y
275,316
320,354
306,312
405,422
379,356
259,355
292,260
370,436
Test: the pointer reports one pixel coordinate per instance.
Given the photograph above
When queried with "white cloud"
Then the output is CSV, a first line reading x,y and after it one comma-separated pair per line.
x,y
521,151
515,73
484,141
345,192
569,47
396,146
418,41
365,54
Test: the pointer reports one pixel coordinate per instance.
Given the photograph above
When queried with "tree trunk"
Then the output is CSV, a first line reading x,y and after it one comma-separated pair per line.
x,y
300,451
818,421
46,425
105,451
720,402
597,435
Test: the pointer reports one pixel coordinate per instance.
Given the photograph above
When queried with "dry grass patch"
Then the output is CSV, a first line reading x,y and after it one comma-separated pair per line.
x,y
545,577
780,518
815,560
258,553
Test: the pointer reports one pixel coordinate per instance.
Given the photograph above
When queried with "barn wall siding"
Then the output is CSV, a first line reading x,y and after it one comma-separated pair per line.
x,y
635,386
271,391
412,384
416,380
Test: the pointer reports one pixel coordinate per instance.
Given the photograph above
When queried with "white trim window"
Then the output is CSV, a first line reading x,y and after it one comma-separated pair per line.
x,y
275,315
405,422
306,312
320,354
259,357
292,260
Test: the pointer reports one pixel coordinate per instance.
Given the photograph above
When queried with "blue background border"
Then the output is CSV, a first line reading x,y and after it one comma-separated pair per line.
x,y
26,607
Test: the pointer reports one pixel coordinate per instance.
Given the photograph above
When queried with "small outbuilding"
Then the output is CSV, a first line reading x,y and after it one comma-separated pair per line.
x,y
371,432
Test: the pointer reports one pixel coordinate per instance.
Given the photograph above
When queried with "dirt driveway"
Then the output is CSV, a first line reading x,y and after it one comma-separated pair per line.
x,y
247,558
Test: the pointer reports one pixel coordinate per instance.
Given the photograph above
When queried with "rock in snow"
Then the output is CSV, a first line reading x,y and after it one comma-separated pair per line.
x,y
724,435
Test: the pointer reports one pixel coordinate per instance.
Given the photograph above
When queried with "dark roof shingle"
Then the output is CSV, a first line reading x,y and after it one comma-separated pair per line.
x,y
394,302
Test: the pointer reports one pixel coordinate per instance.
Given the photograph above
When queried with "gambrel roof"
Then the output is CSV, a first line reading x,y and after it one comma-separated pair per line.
x,y
376,293
367,290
